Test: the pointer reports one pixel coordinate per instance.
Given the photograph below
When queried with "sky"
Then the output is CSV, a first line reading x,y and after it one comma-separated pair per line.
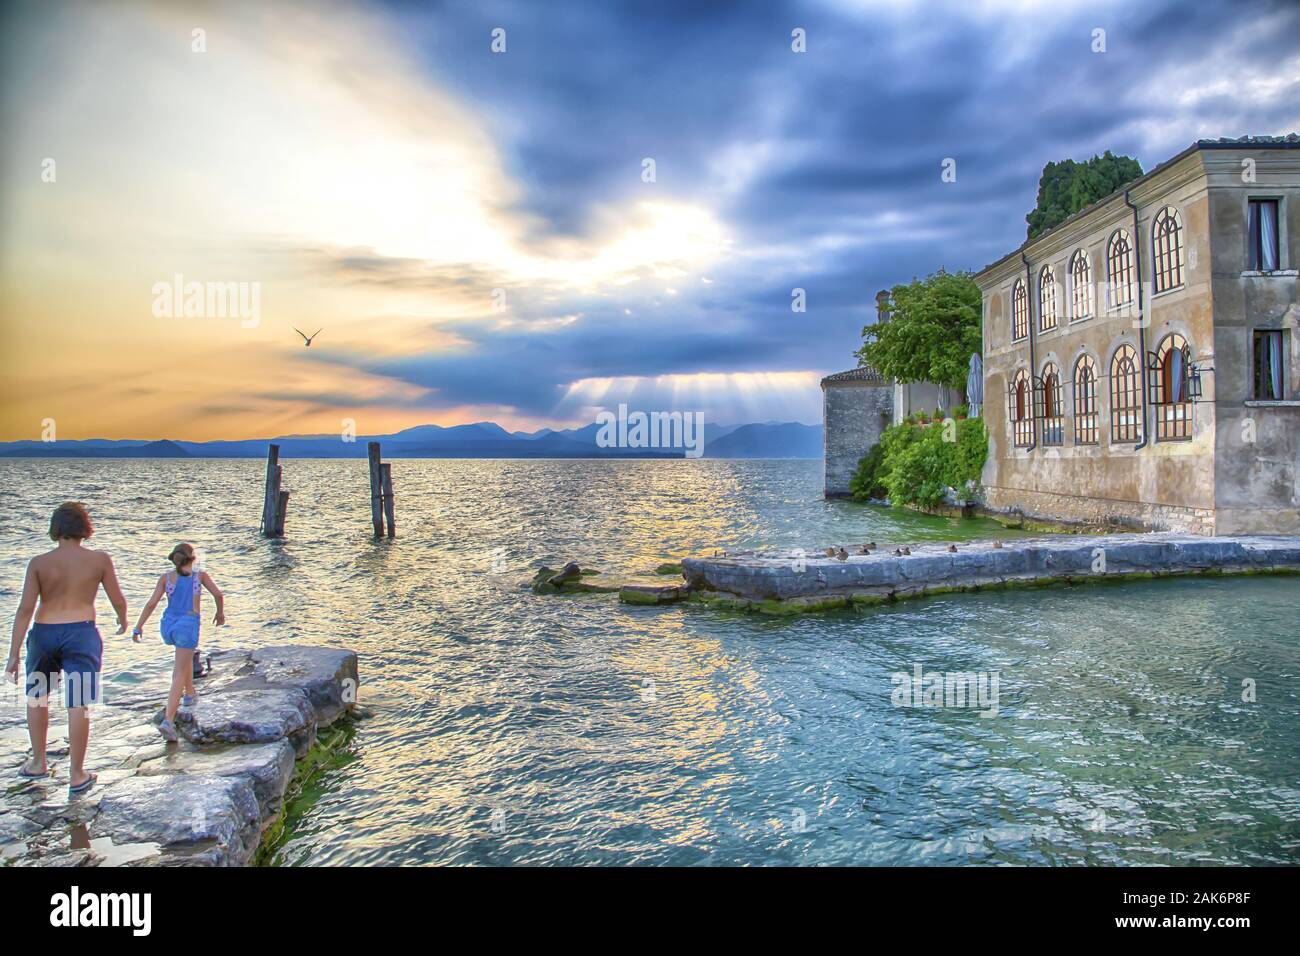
x,y
477,230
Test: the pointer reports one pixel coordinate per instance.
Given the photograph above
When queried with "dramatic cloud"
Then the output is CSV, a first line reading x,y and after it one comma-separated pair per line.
x,y
475,230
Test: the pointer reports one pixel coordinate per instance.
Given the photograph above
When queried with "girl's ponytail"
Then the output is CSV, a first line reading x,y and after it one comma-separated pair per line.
x,y
181,555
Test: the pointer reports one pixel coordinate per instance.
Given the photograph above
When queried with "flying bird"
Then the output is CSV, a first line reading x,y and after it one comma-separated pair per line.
x,y
306,339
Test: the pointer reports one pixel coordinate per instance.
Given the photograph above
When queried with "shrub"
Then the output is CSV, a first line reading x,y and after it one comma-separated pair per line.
x,y
916,466
865,483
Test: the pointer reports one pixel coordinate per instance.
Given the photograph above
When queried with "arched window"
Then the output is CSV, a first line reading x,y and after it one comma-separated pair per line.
x,y
1020,400
1080,287
1125,395
1019,311
1046,299
1167,246
1119,270
1085,401
1053,431
1170,397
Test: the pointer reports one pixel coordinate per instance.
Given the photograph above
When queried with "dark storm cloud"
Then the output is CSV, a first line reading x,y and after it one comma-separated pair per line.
x,y
823,166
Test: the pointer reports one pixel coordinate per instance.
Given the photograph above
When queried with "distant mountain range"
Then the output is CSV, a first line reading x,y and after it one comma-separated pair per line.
x,y
477,440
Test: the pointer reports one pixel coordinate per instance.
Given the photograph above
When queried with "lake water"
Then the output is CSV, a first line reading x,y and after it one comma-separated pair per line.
x,y
513,728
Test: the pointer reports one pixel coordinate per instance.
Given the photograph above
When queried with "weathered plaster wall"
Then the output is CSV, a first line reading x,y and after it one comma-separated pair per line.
x,y
853,416
1257,482
911,397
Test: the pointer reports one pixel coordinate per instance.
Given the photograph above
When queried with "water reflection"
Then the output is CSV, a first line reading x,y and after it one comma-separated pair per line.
x,y
515,728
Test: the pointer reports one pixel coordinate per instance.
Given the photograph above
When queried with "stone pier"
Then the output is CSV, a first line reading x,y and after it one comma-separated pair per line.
x,y
789,581
205,801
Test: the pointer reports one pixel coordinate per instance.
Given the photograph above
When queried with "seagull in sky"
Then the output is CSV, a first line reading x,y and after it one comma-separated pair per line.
x,y
307,338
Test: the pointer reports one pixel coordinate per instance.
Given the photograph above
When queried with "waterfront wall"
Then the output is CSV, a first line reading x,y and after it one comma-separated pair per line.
x,y
934,568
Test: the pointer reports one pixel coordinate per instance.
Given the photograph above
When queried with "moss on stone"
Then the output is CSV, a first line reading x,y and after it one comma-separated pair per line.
x,y
331,750
669,568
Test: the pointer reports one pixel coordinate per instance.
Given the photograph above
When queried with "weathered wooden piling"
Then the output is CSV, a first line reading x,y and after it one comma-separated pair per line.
x,y
386,472
376,490
282,507
271,493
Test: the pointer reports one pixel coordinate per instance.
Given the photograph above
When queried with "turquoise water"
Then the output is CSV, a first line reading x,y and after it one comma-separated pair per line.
x,y
513,728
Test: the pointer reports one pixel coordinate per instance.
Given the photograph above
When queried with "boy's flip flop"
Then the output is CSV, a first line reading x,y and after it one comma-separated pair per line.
x,y
84,785
22,772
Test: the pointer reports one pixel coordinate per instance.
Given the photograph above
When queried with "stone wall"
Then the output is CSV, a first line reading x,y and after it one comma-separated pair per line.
x,y
854,413
1094,512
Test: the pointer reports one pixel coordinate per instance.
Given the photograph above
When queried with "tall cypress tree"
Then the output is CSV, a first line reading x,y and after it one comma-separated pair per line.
x,y
1067,186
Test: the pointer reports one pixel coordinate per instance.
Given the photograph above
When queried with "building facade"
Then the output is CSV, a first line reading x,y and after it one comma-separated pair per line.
x,y
1142,358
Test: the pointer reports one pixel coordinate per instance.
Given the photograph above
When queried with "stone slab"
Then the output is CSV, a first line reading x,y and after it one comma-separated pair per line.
x,y
787,575
238,716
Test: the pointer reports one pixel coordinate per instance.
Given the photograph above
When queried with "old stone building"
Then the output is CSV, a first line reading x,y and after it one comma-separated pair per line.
x,y
857,405
1142,358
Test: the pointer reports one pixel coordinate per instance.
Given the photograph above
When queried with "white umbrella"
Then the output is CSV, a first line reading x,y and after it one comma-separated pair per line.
x,y
975,384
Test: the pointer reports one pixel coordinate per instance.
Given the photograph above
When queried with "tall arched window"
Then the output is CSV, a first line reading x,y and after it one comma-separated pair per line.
x,y
1170,397
1119,270
1125,395
1046,299
1080,287
1085,401
1053,430
1020,400
1019,311
1167,247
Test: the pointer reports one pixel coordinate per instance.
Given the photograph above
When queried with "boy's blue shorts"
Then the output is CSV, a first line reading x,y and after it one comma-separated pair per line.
x,y
75,649
181,632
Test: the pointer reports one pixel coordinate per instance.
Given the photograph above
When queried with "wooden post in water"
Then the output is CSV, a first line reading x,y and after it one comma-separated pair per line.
x,y
376,490
386,471
281,507
271,494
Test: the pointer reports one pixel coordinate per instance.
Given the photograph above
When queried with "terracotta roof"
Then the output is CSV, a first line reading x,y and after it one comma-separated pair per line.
x,y
863,373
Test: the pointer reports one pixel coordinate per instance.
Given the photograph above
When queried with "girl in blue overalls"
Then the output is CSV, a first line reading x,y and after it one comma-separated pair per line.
x,y
180,626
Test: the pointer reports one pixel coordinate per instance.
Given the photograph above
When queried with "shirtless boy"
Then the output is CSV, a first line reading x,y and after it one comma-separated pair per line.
x,y
64,638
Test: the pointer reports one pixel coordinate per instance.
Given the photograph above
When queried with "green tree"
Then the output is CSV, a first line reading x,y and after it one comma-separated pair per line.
x,y
933,327
1067,187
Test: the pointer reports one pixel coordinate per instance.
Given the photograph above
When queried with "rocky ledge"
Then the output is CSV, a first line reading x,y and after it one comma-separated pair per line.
x,y
631,589
207,800
789,581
